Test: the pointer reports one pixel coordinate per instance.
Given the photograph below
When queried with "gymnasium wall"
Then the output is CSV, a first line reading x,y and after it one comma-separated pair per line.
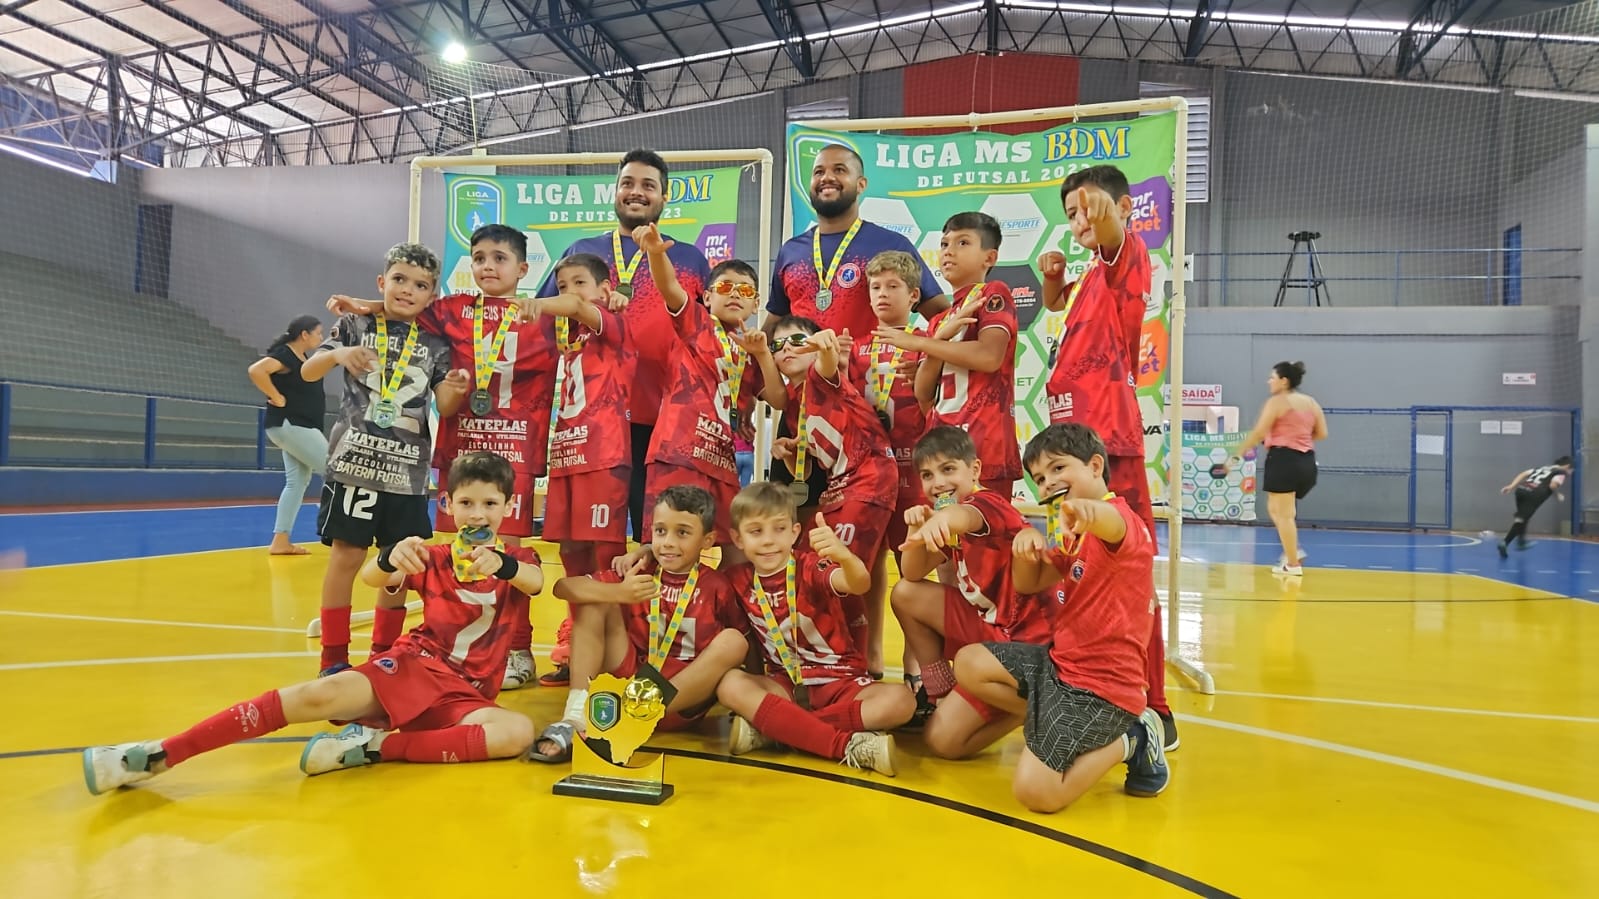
x,y
1396,358
74,222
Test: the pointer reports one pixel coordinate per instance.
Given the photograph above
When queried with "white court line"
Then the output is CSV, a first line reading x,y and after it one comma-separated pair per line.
x,y
1381,567
189,509
1492,783
1466,541
192,552
1372,703
156,660
1547,571
224,627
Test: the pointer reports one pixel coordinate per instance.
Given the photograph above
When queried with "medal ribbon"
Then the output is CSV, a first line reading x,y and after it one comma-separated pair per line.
x,y
883,378
785,657
463,565
390,383
1055,525
1077,287
483,362
661,644
734,360
563,335
801,442
838,254
624,270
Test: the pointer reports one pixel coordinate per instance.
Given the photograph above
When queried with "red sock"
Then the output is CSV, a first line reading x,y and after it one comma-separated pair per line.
x,y
579,560
251,718
606,553
461,743
522,634
938,679
846,716
984,711
335,636
1155,666
791,725
386,627
855,621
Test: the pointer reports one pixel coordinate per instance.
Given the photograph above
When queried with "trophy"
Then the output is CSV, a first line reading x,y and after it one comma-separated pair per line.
x,y
622,715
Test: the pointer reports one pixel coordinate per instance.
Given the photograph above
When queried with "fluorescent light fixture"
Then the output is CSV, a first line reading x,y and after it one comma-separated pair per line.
x,y
43,160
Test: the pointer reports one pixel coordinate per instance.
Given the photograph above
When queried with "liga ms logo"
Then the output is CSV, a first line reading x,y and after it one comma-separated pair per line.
x,y
473,202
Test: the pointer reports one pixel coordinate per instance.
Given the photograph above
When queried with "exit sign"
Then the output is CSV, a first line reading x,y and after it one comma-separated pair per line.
x,y
1520,378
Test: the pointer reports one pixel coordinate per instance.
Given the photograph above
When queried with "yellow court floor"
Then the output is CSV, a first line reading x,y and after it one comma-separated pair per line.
x,y
1372,734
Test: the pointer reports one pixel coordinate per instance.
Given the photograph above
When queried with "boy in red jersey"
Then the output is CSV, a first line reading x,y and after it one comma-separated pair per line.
x,y
969,373
671,611
816,695
881,371
1094,375
839,432
428,699
377,472
717,373
972,529
1080,699
512,362
586,510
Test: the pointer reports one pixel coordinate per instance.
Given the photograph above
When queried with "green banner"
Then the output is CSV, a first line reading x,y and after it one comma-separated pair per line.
x,y
917,182
555,210
1207,497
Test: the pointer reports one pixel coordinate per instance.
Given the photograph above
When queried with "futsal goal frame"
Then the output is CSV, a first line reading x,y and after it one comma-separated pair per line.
x,y
1179,264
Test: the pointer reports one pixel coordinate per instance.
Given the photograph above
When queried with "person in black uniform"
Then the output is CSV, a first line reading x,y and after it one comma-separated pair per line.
x,y
1532,487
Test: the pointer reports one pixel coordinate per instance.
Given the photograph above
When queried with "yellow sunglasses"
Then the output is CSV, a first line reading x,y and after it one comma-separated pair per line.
x,y
746,291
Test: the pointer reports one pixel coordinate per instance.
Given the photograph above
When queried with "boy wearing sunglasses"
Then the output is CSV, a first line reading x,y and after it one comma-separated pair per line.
x,y
718,370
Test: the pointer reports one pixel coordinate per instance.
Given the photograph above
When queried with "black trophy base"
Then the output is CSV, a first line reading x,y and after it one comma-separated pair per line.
x,y
614,789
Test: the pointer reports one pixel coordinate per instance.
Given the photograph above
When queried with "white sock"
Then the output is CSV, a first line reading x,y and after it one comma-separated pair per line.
x,y
1127,746
576,706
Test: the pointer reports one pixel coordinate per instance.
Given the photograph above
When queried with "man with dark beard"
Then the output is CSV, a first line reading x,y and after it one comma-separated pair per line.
x,y
821,273
640,196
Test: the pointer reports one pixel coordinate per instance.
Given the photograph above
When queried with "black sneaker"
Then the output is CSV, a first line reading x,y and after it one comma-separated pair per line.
x,y
1169,725
1504,551
924,711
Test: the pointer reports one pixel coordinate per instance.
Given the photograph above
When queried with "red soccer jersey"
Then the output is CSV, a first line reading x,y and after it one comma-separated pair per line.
x,y
983,403
845,439
591,428
712,608
694,429
467,625
983,565
1102,630
1095,375
871,366
522,384
825,650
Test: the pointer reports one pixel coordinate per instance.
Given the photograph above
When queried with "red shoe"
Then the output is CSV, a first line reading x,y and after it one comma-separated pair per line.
x,y
562,653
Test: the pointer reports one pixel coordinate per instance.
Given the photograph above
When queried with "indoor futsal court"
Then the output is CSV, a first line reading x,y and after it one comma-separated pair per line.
x,y
1377,728
1313,264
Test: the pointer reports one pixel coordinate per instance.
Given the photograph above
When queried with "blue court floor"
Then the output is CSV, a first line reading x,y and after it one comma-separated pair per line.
x,y
1564,567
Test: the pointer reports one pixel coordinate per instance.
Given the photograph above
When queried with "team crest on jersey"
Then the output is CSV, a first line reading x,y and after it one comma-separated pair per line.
x,y
605,709
1078,569
388,665
996,303
849,275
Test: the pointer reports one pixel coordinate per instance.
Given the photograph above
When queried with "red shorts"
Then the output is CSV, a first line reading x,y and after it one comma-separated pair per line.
x,y
1128,478
418,692
587,506
518,514
843,691
963,626
860,526
683,719
895,533
660,475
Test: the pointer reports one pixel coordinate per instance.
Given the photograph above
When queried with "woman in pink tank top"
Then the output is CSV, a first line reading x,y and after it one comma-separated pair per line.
x,y
1290,424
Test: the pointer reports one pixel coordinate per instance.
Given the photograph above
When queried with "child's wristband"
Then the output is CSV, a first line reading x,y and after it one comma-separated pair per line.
x,y
508,566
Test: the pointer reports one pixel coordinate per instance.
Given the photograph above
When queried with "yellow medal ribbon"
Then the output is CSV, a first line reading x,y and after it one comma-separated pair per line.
x,y
563,335
883,377
802,450
785,656
390,383
825,280
483,362
624,270
733,360
1055,525
463,565
661,644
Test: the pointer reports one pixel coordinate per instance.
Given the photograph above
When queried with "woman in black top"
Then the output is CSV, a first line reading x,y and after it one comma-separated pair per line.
x,y
295,410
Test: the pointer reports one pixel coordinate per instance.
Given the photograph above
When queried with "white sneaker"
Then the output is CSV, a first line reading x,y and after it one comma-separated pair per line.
x,y
107,767
869,749
352,747
518,669
743,738
1289,570
1299,556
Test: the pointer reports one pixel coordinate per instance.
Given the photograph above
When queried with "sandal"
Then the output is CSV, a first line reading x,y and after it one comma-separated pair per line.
x,y
562,734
